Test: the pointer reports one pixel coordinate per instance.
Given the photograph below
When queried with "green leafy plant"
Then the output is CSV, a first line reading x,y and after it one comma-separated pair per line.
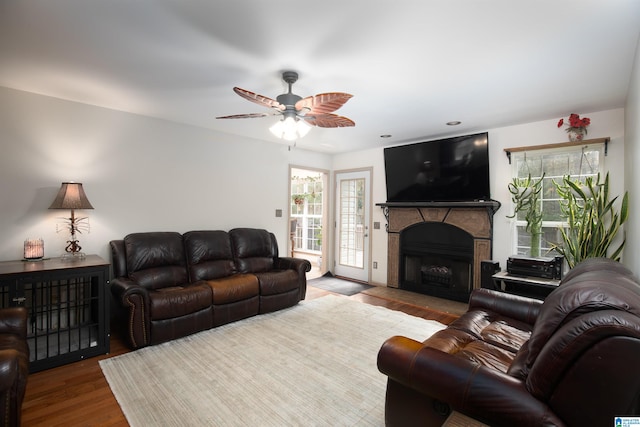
x,y
525,194
593,221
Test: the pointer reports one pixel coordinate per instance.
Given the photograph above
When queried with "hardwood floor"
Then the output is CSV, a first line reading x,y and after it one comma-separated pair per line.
x,y
78,394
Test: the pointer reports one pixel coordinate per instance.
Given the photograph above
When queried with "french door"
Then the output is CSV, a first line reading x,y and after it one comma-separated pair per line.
x,y
352,224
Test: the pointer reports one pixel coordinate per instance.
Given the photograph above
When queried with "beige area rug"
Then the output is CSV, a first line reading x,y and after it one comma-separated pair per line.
x,y
310,365
433,303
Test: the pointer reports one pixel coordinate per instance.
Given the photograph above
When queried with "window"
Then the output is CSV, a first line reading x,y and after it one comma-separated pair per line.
x,y
306,209
553,164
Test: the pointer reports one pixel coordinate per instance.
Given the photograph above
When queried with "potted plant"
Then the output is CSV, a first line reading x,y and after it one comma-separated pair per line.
x,y
577,127
299,199
593,221
525,194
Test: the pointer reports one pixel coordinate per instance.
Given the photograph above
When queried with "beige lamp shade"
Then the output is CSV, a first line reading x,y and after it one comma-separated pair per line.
x,y
71,196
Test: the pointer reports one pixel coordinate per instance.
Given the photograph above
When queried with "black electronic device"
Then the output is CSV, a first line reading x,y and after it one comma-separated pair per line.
x,y
452,169
487,269
545,267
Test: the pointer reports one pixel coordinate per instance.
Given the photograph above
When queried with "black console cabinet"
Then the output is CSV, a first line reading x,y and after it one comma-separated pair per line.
x,y
67,303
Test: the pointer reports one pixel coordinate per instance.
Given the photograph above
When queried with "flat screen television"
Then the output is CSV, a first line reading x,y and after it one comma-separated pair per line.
x,y
451,169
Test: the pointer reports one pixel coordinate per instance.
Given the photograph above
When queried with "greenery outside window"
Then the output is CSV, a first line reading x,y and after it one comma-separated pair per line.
x,y
306,208
553,164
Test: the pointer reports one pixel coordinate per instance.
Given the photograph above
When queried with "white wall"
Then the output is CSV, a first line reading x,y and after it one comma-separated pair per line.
x,y
140,174
604,123
143,174
632,158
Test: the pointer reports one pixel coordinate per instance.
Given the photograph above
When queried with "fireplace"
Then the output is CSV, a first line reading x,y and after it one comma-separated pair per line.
x,y
437,259
436,248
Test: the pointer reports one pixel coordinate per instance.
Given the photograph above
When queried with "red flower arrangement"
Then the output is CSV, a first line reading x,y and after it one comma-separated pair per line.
x,y
577,126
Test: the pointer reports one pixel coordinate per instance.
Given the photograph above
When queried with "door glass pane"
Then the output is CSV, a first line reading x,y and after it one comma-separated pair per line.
x,y
352,222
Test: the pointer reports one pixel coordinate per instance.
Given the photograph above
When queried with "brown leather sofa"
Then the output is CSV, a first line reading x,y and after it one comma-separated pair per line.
x,y
572,360
14,364
167,285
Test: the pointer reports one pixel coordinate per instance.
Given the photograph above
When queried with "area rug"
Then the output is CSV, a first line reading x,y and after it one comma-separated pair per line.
x,y
313,364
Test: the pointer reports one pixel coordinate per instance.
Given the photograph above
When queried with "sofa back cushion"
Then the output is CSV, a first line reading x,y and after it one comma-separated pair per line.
x,y
596,264
208,254
254,250
156,260
577,315
603,289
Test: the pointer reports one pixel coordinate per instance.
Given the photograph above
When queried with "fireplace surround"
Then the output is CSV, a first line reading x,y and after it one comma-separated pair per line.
x,y
436,248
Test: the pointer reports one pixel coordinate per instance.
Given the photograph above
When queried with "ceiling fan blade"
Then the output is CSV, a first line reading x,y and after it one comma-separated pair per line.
x,y
246,116
259,99
328,121
322,103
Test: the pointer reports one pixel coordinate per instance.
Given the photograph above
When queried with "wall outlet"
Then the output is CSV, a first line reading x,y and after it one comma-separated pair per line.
x,y
278,213
376,225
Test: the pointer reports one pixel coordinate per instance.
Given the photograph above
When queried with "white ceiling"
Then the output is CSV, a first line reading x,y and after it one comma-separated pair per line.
x,y
412,65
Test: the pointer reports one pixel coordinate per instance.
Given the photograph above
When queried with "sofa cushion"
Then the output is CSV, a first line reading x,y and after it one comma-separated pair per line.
x,y
160,277
494,328
234,288
176,301
208,254
467,347
254,249
156,260
591,291
277,281
595,264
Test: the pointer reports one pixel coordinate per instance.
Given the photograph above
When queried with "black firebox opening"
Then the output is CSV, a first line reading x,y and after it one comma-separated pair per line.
x,y
437,275
437,259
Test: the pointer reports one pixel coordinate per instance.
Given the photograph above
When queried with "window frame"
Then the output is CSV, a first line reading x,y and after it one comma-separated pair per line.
x,y
521,164
309,222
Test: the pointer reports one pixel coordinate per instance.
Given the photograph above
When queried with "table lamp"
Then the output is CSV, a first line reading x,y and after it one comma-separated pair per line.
x,y
72,196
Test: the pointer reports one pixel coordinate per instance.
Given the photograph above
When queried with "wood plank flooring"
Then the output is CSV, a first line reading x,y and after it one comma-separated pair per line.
x,y
78,394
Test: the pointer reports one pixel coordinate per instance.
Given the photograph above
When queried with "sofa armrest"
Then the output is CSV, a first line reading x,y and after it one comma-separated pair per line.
x,y
13,320
300,266
9,369
135,300
472,389
514,306
288,263
121,287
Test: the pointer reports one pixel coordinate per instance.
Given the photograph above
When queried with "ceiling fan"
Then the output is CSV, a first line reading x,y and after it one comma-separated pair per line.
x,y
297,112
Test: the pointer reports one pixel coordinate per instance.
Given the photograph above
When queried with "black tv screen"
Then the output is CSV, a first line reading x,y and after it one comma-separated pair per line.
x,y
452,169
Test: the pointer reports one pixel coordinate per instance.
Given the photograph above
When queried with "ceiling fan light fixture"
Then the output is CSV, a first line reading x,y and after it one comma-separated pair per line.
x,y
290,128
299,114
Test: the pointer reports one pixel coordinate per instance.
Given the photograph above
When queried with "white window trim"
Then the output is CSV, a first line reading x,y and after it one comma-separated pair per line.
x,y
517,157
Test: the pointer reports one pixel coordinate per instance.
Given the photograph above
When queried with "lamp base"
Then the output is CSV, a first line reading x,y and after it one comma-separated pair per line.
x,y
71,256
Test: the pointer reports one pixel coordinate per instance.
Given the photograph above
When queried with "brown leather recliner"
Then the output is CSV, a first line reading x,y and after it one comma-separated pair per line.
x,y
282,281
168,285
570,361
14,364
